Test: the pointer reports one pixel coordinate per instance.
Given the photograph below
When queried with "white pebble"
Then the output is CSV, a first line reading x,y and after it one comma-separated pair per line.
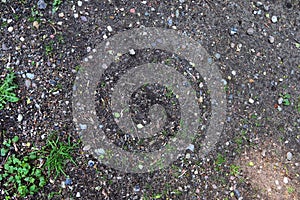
x,y
22,39
88,49
63,184
280,100
274,19
188,156
233,73
35,24
79,3
78,194
10,29
271,39
76,15
109,28
20,117
61,15
191,147
139,126
251,101
285,180
131,52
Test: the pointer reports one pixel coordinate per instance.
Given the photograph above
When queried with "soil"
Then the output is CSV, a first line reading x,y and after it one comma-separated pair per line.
x,y
255,45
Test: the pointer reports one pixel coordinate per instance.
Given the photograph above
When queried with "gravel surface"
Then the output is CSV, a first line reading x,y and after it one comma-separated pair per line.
x,y
255,44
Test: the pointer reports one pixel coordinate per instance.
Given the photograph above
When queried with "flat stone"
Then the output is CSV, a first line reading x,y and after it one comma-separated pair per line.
x,y
289,156
20,117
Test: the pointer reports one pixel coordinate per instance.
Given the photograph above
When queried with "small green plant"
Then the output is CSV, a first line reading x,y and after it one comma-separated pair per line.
x,y
57,153
234,170
286,99
6,90
220,161
55,5
169,93
157,196
35,15
20,176
7,144
290,189
49,48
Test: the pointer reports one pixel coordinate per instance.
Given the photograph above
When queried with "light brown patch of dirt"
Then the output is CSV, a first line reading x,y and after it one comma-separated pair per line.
x,y
268,169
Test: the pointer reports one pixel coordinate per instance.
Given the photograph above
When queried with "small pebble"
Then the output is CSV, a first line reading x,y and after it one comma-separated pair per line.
x,y
224,81
170,22
259,3
4,47
83,18
68,181
257,12
218,56
191,147
139,126
30,75
63,184
79,3
41,4
136,188
289,156
132,52
35,24
27,83
20,117
82,126
238,47
285,180
100,151
251,101
78,194
188,156
86,148
233,72
91,163
61,15
271,39
10,29
76,15
280,100
274,19
132,10
109,28
263,153
236,193
233,31
250,31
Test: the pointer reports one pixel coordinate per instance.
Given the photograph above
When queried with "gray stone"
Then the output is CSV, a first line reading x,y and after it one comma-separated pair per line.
x,y
289,156
250,31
